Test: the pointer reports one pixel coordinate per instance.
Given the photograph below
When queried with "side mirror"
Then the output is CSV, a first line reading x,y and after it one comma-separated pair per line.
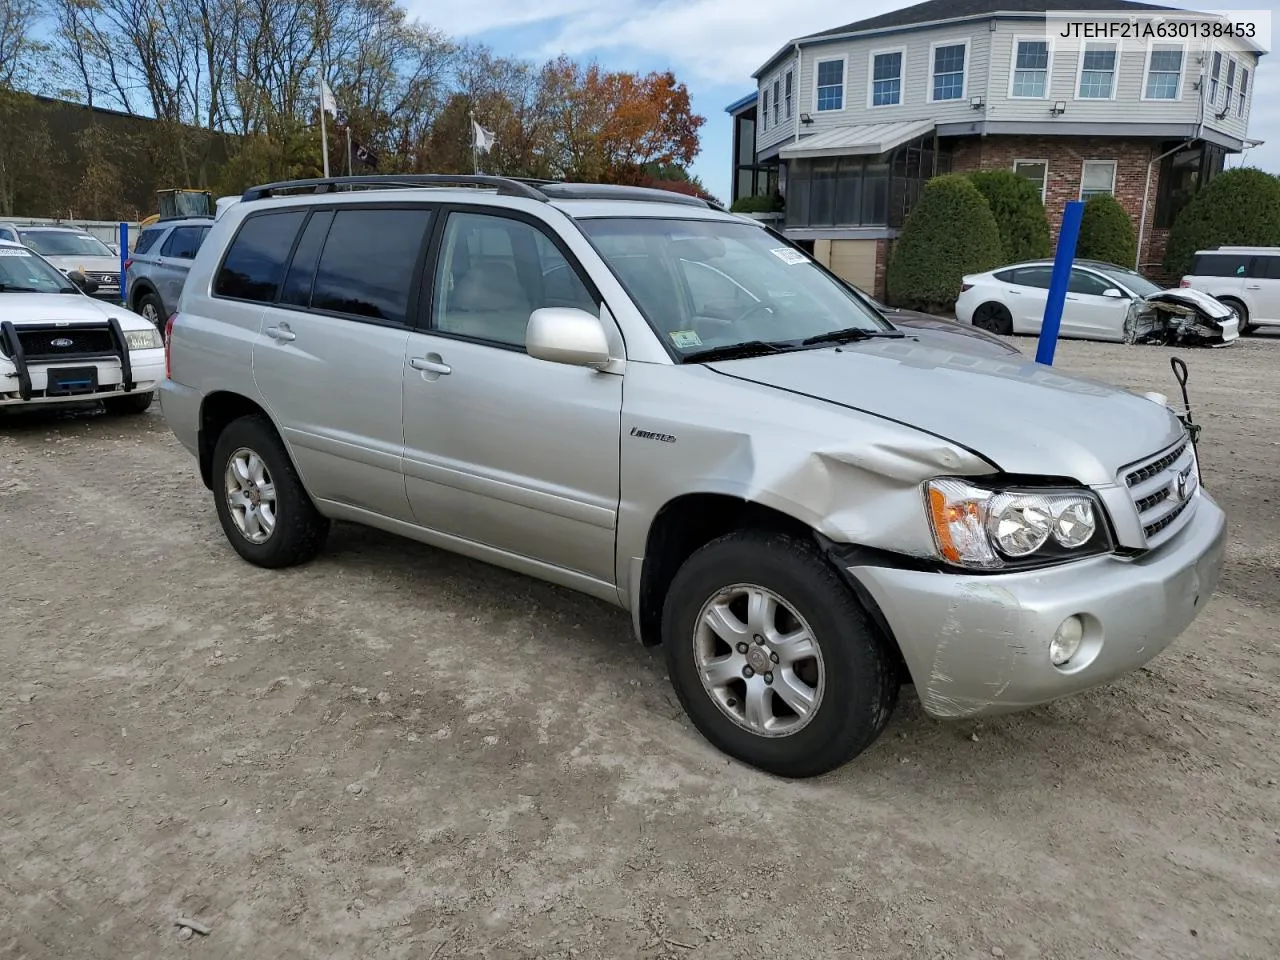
x,y
83,282
567,335
1113,293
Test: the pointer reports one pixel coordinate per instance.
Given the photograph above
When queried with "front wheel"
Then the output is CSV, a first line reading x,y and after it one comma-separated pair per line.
x,y
130,404
264,509
772,656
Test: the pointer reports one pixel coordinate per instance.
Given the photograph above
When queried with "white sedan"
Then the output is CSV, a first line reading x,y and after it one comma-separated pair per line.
x,y
1104,302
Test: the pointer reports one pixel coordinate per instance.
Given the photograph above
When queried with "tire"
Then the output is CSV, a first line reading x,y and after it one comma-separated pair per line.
x,y
993,318
130,404
292,531
853,680
1242,311
151,308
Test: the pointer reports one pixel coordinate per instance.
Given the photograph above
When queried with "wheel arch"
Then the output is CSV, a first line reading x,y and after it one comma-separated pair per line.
x,y
139,288
690,521
217,410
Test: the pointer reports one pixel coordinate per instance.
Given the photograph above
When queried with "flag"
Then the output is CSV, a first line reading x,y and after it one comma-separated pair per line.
x,y
327,101
483,139
365,155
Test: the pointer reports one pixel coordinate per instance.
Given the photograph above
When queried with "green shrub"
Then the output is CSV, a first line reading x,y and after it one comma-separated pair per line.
x,y
950,232
1239,207
1015,202
760,204
1106,233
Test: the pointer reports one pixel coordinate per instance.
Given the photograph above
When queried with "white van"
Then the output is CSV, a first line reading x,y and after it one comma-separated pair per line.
x,y
1247,279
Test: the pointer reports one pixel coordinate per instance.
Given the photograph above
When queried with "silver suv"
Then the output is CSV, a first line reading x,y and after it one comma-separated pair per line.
x,y
662,405
158,265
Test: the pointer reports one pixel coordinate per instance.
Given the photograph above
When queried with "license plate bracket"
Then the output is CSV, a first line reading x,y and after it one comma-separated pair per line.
x,y
71,381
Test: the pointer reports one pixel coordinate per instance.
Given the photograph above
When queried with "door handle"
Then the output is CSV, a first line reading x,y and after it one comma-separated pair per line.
x,y
1254,286
430,366
281,333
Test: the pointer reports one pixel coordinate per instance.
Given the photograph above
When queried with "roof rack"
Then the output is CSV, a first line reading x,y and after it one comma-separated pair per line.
x,y
530,188
504,185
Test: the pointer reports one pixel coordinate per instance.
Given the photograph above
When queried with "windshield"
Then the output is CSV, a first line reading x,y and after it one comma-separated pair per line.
x,y
1134,281
709,283
65,243
21,271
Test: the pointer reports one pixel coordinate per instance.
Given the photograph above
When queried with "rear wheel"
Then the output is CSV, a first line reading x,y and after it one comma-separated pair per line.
x,y
264,510
129,404
773,657
994,318
1242,312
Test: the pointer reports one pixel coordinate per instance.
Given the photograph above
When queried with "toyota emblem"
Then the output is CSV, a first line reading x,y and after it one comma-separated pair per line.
x,y
61,342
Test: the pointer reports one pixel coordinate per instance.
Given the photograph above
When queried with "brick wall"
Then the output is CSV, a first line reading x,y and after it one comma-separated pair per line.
x,y
1065,157
882,262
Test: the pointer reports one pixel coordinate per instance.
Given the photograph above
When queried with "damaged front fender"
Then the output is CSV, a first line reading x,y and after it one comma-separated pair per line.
x,y
1181,317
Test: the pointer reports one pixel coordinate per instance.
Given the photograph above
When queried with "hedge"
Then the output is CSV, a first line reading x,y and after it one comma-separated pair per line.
x,y
1239,207
949,233
1106,233
1019,212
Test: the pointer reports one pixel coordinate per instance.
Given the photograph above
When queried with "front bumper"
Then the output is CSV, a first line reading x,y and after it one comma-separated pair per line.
x,y
978,645
147,369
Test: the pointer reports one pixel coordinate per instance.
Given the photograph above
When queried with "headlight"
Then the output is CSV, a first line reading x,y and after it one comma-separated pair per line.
x,y
976,527
148,339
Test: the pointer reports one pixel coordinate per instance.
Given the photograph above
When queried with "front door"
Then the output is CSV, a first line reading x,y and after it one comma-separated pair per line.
x,y
1088,313
329,361
501,449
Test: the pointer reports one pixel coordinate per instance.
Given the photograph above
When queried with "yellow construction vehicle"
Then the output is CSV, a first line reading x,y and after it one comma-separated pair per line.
x,y
181,203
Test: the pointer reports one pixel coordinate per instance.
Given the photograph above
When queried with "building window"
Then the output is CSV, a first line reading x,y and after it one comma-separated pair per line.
x,y
1030,69
764,110
1097,71
1164,73
777,101
830,85
788,94
948,71
1037,171
1097,177
1244,91
1231,86
1213,77
1181,175
886,79
859,191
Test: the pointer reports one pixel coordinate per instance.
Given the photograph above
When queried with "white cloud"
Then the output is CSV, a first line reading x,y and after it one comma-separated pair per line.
x,y
473,19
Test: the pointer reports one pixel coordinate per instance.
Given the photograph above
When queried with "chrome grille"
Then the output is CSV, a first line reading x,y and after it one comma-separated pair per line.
x,y
1163,490
105,279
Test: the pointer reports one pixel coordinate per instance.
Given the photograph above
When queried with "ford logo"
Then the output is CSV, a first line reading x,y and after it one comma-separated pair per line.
x,y
61,342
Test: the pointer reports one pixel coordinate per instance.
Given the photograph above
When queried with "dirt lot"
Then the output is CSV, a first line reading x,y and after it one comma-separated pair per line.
x,y
396,753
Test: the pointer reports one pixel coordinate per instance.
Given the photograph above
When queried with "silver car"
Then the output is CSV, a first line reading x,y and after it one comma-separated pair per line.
x,y
657,403
158,265
72,250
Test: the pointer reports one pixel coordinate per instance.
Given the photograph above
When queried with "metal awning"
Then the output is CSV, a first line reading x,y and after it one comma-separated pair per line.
x,y
863,139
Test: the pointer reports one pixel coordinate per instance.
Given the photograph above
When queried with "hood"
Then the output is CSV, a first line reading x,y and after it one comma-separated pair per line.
x,y
24,308
1024,417
1197,299
94,264
972,336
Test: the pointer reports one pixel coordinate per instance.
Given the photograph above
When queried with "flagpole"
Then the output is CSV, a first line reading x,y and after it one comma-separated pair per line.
x,y
349,173
324,136
475,148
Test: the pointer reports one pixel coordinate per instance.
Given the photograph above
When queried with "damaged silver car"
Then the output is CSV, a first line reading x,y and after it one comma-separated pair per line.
x,y
654,402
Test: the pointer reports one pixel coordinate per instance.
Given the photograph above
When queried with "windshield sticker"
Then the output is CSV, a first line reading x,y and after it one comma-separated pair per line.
x,y
787,255
685,338
14,252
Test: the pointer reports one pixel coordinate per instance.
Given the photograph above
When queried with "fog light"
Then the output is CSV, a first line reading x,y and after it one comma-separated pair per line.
x,y
1066,642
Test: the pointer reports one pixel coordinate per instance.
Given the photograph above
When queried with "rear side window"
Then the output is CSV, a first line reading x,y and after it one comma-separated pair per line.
x,y
147,239
1266,268
1220,265
184,243
254,264
1038,277
302,271
369,261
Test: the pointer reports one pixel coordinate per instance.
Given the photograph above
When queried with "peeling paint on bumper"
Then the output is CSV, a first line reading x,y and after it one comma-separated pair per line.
x,y
978,645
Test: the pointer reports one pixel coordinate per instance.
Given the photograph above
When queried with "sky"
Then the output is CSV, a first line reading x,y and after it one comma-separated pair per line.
x,y
714,45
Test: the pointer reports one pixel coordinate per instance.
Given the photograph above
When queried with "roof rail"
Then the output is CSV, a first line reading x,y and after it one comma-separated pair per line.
x,y
504,185
557,190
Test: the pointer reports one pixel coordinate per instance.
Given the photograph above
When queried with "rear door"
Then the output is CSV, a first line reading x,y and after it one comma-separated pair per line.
x,y
173,263
1028,289
329,361
1262,290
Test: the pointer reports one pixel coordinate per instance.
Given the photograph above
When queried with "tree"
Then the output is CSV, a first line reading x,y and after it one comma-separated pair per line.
x,y
1239,207
1019,213
1106,232
949,233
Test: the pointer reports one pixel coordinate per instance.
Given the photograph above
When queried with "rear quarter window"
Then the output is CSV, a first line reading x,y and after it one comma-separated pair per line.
x,y
254,263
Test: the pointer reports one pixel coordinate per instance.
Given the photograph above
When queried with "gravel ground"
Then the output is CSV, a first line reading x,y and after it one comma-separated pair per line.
x,y
397,753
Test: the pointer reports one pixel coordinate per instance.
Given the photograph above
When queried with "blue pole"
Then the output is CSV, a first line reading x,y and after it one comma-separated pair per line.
x,y
124,255
1063,259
